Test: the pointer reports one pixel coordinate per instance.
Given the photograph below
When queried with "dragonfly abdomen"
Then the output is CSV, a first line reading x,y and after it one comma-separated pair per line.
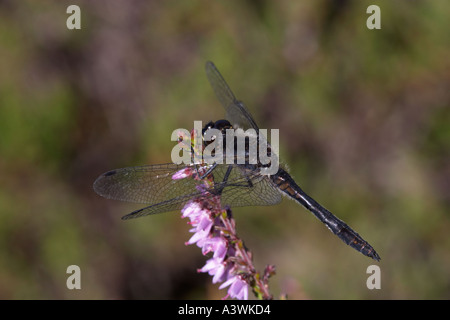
x,y
355,241
286,184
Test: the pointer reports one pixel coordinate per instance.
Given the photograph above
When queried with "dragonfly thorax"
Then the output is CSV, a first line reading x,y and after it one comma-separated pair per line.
x,y
227,144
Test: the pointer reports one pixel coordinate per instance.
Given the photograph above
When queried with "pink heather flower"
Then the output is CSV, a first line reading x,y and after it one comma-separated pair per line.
x,y
216,268
214,231
200,220
217,245
201,233
202,223
189,209
194,212
183,173
238,287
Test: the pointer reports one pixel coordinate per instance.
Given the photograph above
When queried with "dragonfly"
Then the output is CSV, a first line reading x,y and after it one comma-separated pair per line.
x,y
237,184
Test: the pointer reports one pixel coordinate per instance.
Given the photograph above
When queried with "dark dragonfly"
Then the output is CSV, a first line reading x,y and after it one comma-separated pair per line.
x,y
237,184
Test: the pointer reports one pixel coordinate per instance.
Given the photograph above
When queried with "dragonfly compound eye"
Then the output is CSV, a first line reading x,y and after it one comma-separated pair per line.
x,y
222,125
208,126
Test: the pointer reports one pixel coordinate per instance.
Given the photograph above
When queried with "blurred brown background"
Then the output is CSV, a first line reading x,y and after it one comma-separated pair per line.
x,y
364,125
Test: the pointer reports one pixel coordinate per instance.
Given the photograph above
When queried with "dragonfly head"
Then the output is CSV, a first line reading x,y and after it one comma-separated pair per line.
x,y
221,125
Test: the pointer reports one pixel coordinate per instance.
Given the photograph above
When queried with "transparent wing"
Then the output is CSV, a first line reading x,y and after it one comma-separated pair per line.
x,y
236,112
145,184
153,184
247,188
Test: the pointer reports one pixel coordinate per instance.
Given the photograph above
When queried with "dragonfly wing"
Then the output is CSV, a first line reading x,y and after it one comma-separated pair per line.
x,y
236,112
151,184
165,206
245,187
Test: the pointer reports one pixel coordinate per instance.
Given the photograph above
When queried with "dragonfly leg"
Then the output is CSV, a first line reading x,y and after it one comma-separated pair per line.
x,y
225,179
208,172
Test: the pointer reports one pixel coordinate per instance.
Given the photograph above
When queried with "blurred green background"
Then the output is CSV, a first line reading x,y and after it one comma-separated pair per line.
x,y
364,123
